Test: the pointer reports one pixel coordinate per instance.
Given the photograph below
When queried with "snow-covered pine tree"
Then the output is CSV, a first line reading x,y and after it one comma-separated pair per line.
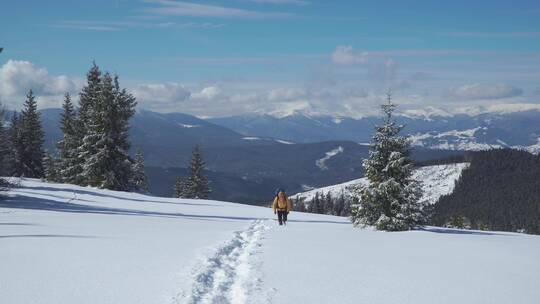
x,y
320,204
104,114
339,205
348,205
5,150
391,201
139,180
180,188
314,205
69,165
122,109
16,145
90,95
51,170
299,205
197,183
29,140
5,144
87,124
328,204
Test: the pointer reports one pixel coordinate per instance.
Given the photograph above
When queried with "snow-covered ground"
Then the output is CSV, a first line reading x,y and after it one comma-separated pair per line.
x,y
436,181
464,140
68,244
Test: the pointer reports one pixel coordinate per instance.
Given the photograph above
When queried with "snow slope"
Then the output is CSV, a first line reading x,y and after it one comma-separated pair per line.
x,y
436,181
67,244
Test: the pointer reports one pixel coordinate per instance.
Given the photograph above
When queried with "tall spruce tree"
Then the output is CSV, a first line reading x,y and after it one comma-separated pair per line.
x,y
69,165
139,179
391,201
87,123
104,114
197,183
16,145
29,137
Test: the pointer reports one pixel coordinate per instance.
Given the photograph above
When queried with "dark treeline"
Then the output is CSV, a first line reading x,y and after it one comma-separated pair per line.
x,y
462,158
325,204
499,191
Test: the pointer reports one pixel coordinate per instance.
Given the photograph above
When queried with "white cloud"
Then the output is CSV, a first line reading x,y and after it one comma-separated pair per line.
x,y
379,67
17,77
160,93
94,25
485,91
181,8
344,54
207,93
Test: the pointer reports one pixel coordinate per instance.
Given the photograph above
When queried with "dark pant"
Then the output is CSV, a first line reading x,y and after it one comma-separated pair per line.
x,y
282,217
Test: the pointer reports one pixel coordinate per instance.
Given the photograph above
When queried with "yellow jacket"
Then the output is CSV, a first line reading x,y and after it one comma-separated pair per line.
x,y
281,205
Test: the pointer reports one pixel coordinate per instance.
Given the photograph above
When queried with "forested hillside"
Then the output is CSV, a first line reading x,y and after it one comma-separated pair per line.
x,y
499,191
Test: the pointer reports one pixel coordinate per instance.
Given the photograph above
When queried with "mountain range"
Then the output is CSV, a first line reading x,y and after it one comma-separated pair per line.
x,y
241,168
482,131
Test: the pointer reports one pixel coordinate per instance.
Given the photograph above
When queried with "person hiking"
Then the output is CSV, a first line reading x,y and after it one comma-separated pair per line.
x,y
282,206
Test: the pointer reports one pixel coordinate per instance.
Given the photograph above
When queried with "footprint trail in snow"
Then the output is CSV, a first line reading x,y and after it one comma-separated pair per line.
x,y
230,274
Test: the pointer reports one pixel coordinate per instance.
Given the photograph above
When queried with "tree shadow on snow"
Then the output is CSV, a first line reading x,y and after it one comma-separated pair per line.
x,y
317,222
25,202
18,224
96,193
46,236
457,231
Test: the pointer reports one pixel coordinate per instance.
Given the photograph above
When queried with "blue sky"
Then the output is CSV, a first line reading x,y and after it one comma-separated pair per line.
x,y
215,58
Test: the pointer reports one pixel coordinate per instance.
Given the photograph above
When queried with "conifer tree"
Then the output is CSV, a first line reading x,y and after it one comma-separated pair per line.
x,y
180,188
89,106
69,165
51,168
197,183
328,204
139,179
5,150
339,205
347,208
300,206
90,95
320,204
17,145
105,110
29,138
314,205
5,145
391,201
